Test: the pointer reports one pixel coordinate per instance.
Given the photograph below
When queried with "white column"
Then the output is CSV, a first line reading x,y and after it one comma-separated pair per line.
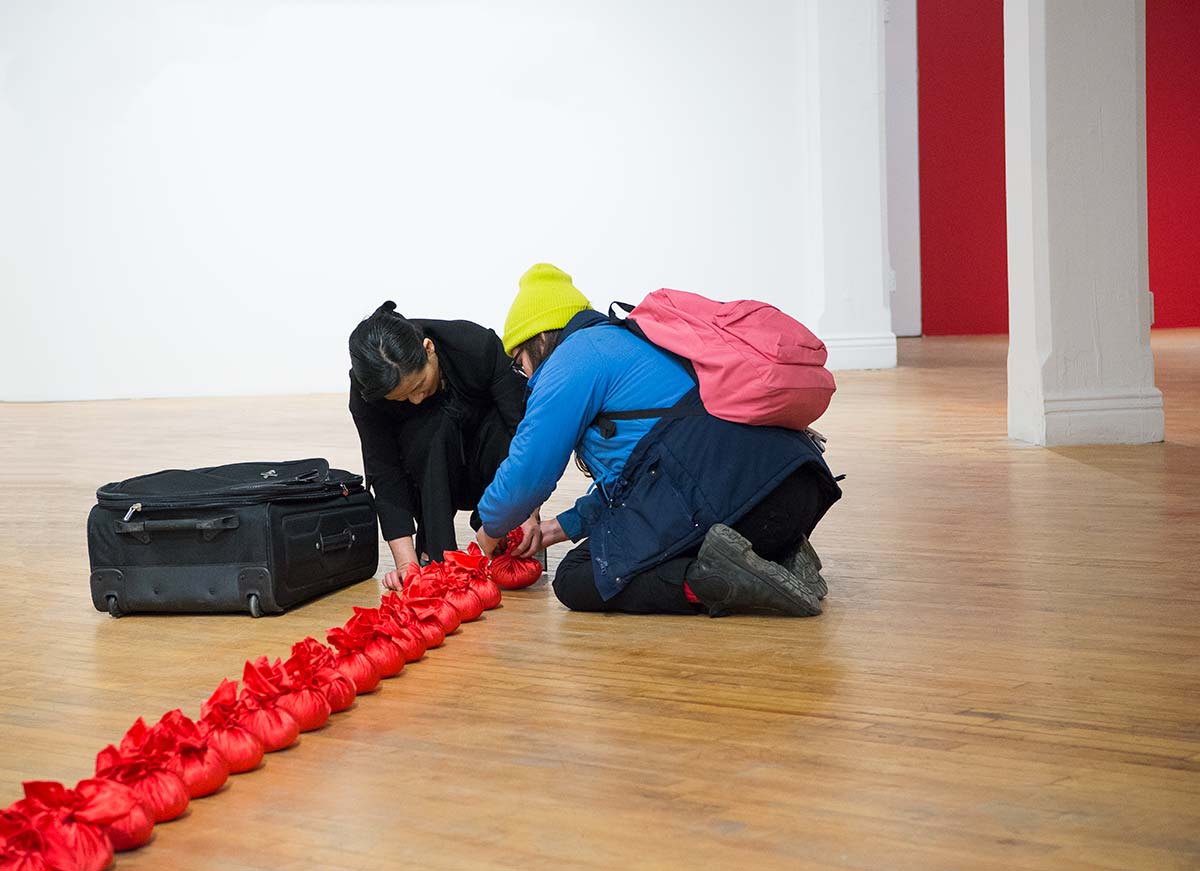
x,y
846,207
1079,364
903,165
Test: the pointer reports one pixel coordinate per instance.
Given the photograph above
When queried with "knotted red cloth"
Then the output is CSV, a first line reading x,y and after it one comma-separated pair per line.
x,y
475,567
135,828
312,665
188,753
379,646
221,724
408,638
160,790
71,821
263,684
513,573
298,695
351,659
439,609
21,847
404,615
443,581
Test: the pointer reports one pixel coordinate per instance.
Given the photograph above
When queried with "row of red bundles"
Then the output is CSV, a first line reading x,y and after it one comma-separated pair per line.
x,y
155,771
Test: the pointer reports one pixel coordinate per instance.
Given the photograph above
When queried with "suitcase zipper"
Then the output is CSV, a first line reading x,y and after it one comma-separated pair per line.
x,y
217,501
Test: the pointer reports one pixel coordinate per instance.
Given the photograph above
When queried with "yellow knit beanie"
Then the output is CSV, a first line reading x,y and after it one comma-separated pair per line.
x,y
546,300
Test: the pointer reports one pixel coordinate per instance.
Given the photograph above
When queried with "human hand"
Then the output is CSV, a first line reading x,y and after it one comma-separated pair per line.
x,y
404,554
487,544
394,580
531,540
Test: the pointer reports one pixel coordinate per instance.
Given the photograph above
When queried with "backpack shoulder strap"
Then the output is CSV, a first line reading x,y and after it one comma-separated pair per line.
x,y
606,421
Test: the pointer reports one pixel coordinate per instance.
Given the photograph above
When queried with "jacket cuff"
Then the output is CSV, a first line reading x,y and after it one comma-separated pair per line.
x,y
572,524
393,525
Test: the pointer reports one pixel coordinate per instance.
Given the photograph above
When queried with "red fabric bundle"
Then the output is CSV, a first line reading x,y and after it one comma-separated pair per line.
x,y
275,727
440,610
407,617
161,791
475,566
20,844
352,661
513,573
132,830
465,601
263,684
201,766
221,724
71,821
124,833
296,691
407,635
388,645
312,665
308,706
438,580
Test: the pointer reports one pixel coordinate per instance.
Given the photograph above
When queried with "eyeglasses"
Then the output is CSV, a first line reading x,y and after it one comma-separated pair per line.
x,y
516,366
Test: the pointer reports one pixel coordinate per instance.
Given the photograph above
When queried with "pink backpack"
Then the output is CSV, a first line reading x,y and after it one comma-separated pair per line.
x,y
754,364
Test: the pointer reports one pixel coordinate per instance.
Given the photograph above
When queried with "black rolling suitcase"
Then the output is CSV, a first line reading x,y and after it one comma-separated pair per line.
x,y
256,537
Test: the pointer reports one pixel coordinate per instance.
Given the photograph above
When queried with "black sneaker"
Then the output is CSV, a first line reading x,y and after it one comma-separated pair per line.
x,y
805,565
729,577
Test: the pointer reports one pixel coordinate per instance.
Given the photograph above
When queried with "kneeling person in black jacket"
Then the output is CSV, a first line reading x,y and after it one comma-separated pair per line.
x,y
436,404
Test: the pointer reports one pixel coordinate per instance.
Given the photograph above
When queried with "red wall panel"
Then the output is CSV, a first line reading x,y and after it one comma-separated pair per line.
x,y
960,53
964,253
1173,159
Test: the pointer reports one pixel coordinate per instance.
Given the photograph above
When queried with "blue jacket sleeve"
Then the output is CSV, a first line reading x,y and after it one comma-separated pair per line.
x,y
565,396
576,521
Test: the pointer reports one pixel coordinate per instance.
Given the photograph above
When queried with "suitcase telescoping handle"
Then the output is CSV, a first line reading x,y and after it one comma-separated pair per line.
x,y
209,528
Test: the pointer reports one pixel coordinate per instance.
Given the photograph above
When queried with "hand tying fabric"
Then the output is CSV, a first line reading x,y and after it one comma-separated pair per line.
x,y
487,544
531,542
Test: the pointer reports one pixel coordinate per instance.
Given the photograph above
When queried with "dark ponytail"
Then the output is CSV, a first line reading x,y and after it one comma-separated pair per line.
x,y
384,349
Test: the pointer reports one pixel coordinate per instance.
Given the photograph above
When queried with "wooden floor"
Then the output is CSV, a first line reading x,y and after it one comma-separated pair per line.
x,y
1007,674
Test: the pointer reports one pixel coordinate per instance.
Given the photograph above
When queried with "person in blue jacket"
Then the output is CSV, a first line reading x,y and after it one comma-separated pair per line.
x,y
688,512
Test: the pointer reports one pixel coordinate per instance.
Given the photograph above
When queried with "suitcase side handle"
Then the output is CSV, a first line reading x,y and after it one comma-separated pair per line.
x,y
340,541
209,528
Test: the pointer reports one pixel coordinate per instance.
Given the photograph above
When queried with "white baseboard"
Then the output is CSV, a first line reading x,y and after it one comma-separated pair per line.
x,y
862,352
1122,417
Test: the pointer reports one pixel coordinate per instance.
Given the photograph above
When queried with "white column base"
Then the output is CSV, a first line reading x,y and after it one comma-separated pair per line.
x,y
1132,417
862,352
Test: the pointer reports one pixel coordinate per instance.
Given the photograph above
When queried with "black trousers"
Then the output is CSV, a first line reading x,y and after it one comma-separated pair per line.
x,y
774,527
452,467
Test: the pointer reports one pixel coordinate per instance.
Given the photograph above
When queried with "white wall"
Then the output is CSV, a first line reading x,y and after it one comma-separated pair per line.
x,y
903,166
202,197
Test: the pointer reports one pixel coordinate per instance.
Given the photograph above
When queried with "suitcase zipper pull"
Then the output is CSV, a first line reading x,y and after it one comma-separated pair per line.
x,y
133,509
345,490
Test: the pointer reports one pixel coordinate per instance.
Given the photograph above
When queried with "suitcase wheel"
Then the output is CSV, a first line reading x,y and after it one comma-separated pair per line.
x,y
255,606
113,608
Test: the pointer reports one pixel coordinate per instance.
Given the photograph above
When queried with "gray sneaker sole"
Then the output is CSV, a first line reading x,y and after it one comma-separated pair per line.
x,y
805,565
796,599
